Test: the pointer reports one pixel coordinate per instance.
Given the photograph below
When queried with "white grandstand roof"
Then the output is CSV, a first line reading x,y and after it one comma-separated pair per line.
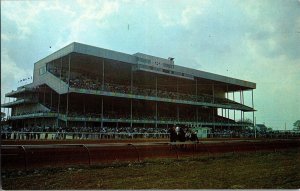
x,y
133,59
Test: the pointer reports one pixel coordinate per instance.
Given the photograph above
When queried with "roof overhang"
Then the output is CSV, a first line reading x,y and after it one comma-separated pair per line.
x,y
132,59
19,91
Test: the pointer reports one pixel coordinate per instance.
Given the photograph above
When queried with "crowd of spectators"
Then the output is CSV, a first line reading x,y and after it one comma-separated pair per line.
x,y
35,132
85,81
250,133
140,116
31,112
184,117
42,132
28,132
236,133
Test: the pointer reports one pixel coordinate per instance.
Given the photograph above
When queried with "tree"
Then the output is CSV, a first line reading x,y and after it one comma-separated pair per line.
x,y
2,116
245,121
297,125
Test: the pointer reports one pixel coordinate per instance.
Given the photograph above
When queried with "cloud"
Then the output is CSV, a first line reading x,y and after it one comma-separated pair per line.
x,y
22,15
5,37
25,16
180,15
94,12
11,73
276,24
277,95
88,16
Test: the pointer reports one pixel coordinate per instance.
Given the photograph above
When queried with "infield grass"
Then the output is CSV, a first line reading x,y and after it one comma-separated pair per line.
x,y
262,170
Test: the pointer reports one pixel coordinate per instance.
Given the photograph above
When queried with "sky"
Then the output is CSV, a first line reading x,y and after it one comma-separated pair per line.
x,y
253,40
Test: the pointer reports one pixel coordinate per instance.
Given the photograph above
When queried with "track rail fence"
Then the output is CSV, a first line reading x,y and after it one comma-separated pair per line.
x,y
16,135
38,156
20,135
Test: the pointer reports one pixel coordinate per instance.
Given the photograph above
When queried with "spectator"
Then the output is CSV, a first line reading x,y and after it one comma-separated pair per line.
x,y
173,134
194,136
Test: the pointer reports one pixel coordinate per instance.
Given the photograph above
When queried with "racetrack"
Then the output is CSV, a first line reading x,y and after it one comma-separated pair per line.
x,y
39,154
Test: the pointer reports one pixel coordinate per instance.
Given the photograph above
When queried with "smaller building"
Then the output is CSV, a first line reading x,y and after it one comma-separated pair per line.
x,y
261,127
202,132
2,115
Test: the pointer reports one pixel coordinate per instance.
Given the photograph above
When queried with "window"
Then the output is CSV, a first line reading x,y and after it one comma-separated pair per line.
x,y
146,61
165,71
43,70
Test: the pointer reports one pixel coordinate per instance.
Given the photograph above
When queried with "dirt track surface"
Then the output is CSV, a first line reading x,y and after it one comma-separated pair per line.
x,y
79,141
39,154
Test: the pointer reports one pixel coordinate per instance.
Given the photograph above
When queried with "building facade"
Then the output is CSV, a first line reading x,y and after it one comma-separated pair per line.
x,y
81,85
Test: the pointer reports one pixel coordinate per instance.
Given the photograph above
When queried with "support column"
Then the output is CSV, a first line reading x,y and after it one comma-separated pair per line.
x,y
227,96
156,101
156,114
84,112
103,74
213,92
197,117
131,113
241,96
243,116
234,109
5,108
196,90
156,86
102,112
69,71
253,114
228,116
44,95
131,80
214,121
9,110
102,88
58,104
51,99
131,92
241,102
177,89
177,113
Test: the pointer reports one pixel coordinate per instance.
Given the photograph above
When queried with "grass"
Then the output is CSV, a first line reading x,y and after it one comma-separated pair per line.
x,y
262,170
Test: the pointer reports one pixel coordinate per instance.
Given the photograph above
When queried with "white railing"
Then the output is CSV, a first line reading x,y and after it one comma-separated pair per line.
x,y
15,135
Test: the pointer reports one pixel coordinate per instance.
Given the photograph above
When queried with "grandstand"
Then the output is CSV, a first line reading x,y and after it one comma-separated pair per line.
x,y
82,86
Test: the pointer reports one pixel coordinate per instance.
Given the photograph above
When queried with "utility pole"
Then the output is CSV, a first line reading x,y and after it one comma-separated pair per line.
x,y
254,125
285,126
